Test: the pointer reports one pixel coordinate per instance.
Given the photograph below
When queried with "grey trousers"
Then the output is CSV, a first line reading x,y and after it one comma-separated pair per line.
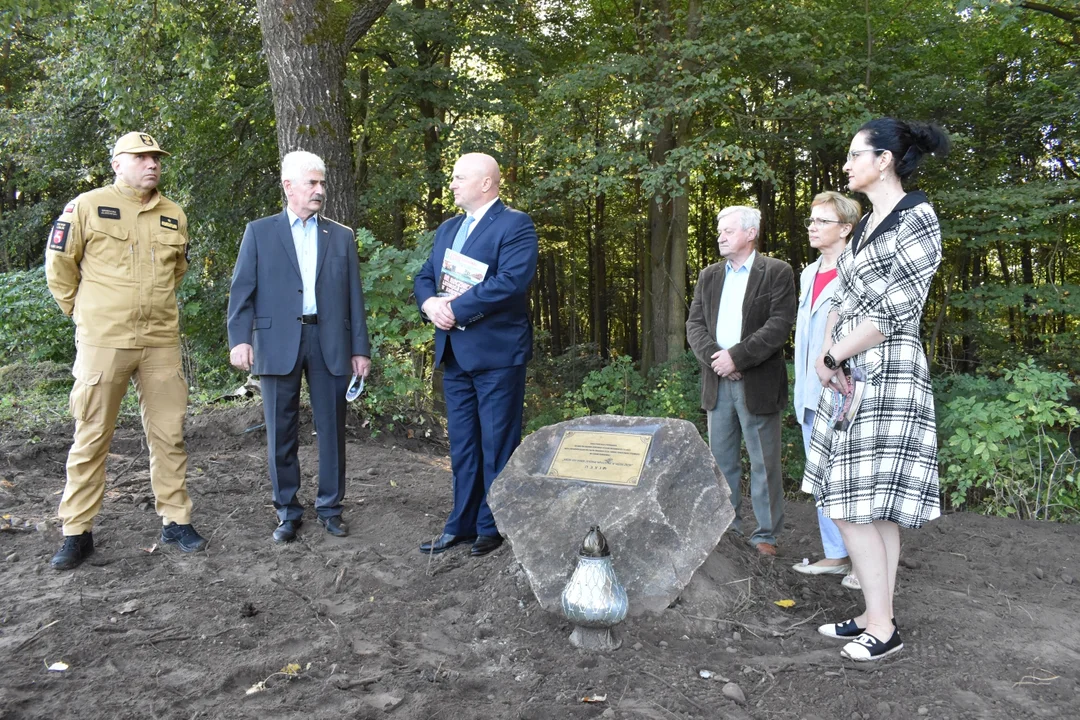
x,y
731,424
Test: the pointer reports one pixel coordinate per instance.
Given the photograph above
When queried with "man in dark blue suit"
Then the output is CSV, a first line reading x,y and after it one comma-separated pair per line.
x,y
295,307
483,339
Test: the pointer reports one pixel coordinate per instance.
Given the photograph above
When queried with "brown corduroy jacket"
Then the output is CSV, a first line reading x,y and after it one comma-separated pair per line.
x,y
768,313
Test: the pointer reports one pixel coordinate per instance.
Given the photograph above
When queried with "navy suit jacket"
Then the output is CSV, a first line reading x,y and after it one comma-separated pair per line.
x,y
495,312
267,297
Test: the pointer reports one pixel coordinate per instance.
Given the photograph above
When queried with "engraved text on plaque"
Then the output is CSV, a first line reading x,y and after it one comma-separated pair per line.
x,y
604,457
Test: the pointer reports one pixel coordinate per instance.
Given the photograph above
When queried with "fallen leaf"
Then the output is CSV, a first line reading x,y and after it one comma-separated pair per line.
x,y
784,603
57,667
393,483
7,484
594,699
292,669
150,549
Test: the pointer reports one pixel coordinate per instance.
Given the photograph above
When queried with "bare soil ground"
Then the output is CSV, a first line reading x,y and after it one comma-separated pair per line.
x,y
372,628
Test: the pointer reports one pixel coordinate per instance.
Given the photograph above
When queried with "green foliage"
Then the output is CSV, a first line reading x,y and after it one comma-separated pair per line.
x,y
618,388
1005,449
577,384
32,328
595,109
398,387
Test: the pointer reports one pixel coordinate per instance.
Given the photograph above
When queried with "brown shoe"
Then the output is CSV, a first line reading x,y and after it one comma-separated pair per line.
x,y
766,549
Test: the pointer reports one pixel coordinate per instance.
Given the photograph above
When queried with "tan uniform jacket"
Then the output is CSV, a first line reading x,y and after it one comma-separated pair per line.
x,y
113,265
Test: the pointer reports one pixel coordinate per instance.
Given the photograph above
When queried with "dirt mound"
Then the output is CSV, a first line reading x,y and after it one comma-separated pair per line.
x,y
23,376
365,626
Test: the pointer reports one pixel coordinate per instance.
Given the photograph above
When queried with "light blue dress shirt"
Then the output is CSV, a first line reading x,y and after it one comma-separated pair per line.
x,y
729,315
305,236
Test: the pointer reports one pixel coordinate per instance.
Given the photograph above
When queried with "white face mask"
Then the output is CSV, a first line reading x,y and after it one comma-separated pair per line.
x,y
356,387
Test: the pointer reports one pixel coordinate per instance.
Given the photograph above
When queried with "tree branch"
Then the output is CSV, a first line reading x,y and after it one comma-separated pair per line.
x,y
362,19
1070,16
388,59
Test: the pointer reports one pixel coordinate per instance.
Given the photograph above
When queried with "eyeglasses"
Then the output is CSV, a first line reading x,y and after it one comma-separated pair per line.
x,y
856,153
820,222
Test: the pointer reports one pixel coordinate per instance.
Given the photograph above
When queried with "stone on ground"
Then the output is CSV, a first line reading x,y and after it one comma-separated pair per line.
x,y
659,531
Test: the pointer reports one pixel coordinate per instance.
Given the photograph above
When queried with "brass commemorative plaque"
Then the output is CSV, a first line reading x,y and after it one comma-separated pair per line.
x,y
601,457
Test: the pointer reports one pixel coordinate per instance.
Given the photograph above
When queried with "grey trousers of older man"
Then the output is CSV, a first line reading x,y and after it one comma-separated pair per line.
x,y
730,425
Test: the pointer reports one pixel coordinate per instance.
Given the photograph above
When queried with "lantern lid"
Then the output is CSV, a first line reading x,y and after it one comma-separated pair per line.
x,y
594,544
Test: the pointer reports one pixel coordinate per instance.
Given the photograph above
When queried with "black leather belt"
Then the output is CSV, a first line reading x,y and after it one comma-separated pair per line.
x,y
309,319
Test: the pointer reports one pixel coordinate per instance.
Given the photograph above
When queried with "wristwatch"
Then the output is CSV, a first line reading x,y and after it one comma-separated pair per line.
x,y
830,361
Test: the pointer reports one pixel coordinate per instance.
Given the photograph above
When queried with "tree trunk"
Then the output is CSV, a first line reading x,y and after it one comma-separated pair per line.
x,y
363,148
551,299
658,266
1027,270
598,279
306,44
429,56
669,220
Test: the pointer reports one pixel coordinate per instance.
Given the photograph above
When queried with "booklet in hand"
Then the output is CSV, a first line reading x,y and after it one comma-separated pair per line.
x,y
459,273
846,404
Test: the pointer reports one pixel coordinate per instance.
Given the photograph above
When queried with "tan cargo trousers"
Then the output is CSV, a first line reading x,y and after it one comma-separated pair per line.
x,y
101,380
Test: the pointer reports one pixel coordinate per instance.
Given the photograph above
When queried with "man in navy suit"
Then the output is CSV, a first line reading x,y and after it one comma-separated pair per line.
x,y
483,339
296,307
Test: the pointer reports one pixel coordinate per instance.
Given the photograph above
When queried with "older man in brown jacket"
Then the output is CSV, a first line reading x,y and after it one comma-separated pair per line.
x,y
739,322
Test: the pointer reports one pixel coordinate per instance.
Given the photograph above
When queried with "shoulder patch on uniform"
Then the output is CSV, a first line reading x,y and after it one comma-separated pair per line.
x,y
59,236
171,223
69,208
110,213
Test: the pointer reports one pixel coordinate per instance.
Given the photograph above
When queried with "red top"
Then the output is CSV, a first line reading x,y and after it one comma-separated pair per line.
x,y
820,281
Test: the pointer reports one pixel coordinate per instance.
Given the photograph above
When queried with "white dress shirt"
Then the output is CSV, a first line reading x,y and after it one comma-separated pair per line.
x,y
729,315
305,236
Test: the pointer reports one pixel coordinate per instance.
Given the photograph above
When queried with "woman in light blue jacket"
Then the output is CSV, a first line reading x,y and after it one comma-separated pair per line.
x,y
832,218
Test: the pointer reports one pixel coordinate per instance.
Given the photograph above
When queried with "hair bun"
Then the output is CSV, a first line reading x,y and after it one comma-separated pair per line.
x,y
930,138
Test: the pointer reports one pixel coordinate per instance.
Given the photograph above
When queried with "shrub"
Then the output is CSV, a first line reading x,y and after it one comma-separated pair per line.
x,y
1005,444
617,388
32,328
399,387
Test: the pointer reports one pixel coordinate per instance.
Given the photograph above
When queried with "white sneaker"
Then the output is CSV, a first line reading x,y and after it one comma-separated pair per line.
x,y
818,569
866,647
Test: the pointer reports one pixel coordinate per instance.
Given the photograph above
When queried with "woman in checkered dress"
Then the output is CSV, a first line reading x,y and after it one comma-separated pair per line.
x,y
880,473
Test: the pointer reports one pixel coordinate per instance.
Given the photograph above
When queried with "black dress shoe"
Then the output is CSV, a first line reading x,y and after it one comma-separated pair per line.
x,y
76,549
334,525
444,542
286,531
485,544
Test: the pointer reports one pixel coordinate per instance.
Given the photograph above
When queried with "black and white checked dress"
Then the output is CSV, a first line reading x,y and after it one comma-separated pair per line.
x,y
884,466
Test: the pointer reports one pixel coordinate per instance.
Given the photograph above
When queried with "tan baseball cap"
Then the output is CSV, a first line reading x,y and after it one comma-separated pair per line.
x,y
135,143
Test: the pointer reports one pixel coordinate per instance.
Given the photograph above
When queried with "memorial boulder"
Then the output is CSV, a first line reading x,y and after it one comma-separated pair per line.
x,y
651,484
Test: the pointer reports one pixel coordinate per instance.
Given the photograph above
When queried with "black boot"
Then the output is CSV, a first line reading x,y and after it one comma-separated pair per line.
x,y
76,549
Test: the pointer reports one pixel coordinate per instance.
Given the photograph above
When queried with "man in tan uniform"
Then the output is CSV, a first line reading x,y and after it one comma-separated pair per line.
x,y
113,261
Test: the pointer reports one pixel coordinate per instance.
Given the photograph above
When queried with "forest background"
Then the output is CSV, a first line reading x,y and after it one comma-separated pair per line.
x,y
622,127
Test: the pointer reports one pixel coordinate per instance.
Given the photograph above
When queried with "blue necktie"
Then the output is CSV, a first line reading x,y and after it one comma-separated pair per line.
x,y
462,233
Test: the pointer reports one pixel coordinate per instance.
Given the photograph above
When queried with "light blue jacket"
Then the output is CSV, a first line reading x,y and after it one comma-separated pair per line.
x,y
809,336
